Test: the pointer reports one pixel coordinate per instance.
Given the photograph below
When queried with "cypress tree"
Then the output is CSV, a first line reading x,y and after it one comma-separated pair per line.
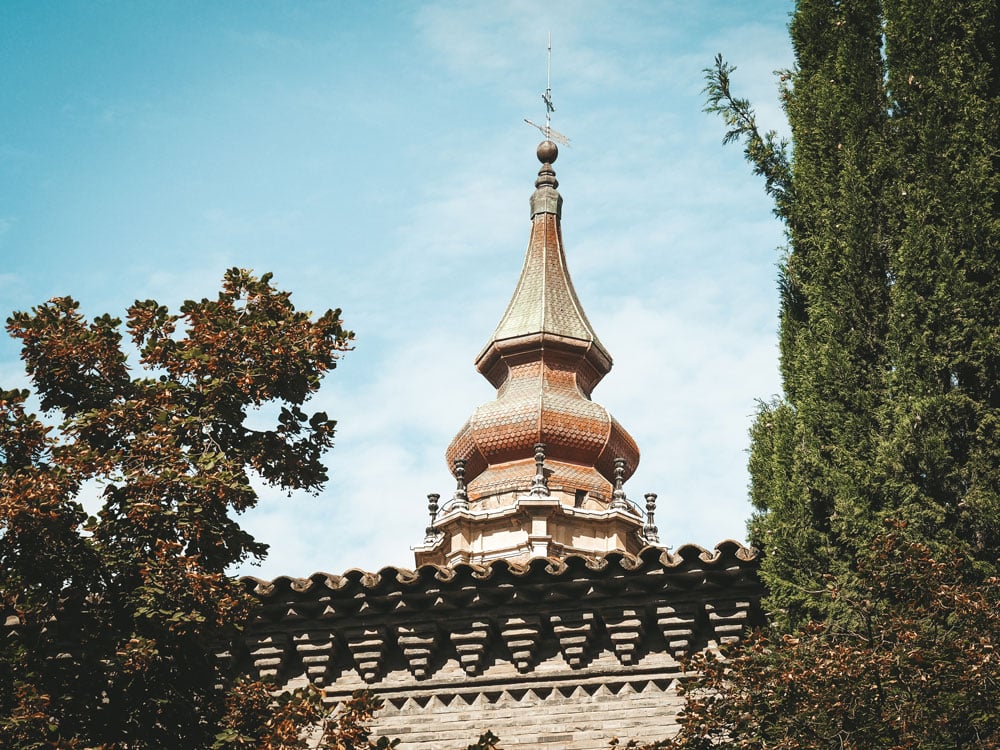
x,y
941,413
890,322
812,452
876,477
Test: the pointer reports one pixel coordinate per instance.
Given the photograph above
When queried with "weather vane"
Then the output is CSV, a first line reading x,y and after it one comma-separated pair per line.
x,y
547,131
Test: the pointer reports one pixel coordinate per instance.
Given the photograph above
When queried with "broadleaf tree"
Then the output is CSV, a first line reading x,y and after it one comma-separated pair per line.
x,y
915,665
120,629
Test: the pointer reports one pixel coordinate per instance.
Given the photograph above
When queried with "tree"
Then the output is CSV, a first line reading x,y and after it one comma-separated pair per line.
x,y
120,626
941,412
255,720
918,667
890,349
889,325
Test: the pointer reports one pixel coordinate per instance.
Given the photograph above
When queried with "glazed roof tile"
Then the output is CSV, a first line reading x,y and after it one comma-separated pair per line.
x,y
727,557
544,359
544,299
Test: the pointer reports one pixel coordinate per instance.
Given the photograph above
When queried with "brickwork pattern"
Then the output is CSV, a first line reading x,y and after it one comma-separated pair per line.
x,y
544,718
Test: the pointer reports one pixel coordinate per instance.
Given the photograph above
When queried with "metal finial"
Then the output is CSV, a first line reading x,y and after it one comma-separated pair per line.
x,y
540,487
461,497
649,530
547,96
432,508
547,131
618,501
547,153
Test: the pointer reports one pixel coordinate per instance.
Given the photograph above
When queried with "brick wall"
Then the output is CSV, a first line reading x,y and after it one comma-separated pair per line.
x,y
552,654
567,718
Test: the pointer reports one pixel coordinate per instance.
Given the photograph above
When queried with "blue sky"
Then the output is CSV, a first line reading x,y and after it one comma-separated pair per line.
x,y
373,156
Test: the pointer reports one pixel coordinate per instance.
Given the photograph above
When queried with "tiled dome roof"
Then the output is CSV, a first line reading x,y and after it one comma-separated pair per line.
x,y
544,359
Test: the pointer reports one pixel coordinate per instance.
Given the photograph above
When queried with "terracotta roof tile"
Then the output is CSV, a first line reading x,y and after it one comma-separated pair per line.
x,y
727,558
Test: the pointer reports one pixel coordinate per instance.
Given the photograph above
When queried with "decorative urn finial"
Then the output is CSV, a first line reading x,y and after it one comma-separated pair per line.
x,y
461,497
649,531
540,487
432,508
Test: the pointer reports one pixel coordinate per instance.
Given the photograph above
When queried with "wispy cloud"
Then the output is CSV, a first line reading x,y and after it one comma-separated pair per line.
x,y
688,368
377,161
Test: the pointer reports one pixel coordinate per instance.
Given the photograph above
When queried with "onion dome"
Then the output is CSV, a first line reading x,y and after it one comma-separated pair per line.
x,y
544,359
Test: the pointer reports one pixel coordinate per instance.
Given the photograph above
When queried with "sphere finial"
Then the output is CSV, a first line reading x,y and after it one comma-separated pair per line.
x,y
547,152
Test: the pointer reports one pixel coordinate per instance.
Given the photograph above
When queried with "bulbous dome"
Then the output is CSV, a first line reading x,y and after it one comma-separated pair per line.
x,y
544,359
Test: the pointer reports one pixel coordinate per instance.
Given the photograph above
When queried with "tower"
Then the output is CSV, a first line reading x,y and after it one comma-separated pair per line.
x,y
540,469
542,605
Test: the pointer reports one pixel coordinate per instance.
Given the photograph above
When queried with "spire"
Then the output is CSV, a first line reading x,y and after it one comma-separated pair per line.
x,y
544,359
545,303
541,468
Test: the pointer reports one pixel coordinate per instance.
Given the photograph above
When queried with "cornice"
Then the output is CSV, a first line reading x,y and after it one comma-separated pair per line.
x,y
482,622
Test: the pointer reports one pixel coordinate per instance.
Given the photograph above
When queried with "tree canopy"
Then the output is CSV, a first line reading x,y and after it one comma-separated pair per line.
x,y
915,665
875,475
121,628
889,324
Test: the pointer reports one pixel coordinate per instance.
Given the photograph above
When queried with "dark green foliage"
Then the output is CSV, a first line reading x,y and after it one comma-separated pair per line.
x,y
890,322
941,413
890,359
114,624
766,153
